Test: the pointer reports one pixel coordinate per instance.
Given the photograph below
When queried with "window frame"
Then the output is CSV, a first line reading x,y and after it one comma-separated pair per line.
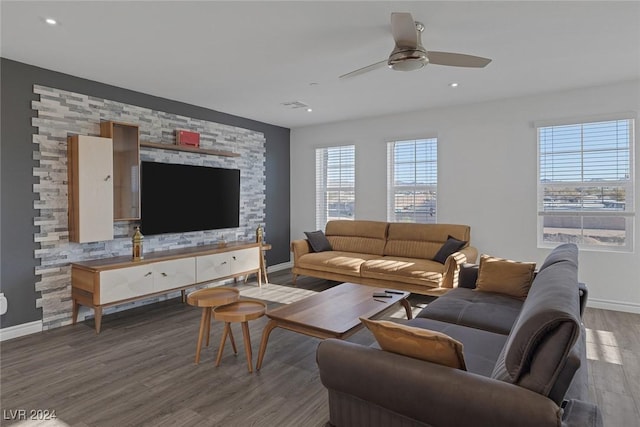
x,y
322,172
393,189
583,184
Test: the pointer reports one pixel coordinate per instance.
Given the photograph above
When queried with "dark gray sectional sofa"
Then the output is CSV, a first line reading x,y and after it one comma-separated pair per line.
x,y
526,361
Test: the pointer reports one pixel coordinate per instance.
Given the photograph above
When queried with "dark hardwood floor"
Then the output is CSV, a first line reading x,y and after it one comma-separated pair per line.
x,y
140,371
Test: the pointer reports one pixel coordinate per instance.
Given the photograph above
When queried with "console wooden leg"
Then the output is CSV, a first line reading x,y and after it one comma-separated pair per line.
x,y
203,328
98,313
247,345
407,308
226,330
263,344
183,294
74,315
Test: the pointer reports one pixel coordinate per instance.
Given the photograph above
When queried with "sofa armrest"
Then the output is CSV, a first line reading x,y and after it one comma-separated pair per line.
x,y
471,253
435,395
299,248
452,270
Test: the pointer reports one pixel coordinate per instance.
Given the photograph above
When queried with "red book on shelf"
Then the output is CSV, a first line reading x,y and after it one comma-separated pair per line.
x,y
185,137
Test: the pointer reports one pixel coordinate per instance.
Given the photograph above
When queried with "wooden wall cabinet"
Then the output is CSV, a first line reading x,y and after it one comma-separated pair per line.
x,y
90,176
126,168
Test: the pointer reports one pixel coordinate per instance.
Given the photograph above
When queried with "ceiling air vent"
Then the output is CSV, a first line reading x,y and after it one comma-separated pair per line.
x,y
295,105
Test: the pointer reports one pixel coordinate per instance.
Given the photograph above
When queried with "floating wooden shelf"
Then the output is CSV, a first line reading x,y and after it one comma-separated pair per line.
x,y
175,147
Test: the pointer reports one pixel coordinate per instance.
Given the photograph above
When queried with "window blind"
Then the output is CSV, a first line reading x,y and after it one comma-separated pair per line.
x,y
586,185
412,180
335,184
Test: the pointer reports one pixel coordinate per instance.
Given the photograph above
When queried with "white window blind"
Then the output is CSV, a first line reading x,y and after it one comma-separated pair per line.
x,y
412,180
586,185
335,184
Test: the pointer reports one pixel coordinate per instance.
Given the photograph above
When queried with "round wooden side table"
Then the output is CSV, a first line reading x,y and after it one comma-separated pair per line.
x,y
207,299
240,311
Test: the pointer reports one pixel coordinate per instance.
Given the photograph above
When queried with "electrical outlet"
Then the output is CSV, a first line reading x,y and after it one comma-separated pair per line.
x,y
3,304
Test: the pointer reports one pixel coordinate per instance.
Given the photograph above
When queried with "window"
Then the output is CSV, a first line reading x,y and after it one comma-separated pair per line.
x,y
412,180
335,184
585,185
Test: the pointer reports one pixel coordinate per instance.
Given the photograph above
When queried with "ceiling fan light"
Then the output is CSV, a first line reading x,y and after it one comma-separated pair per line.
x,y
408,65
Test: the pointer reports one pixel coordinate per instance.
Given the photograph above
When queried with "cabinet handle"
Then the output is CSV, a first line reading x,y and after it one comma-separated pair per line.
x,y
108,178
224,263
234,258
148,274
164,274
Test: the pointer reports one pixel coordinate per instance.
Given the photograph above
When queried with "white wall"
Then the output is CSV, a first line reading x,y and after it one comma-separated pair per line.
x,y
487,165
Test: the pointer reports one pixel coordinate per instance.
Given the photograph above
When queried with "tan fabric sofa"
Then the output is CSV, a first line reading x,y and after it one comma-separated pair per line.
x,y
393,255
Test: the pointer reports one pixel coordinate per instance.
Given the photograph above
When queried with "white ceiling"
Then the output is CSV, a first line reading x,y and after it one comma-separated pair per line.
x,y
247,58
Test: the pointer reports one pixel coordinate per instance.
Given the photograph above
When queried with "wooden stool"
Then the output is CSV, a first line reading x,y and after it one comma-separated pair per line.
x,y
207,299
240,311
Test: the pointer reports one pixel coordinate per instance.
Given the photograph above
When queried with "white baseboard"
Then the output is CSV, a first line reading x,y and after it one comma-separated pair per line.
x,y
20,330
279,267
614,305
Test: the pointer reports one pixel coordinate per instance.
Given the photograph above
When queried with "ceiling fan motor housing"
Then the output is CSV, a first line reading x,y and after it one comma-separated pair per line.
x,y
408,59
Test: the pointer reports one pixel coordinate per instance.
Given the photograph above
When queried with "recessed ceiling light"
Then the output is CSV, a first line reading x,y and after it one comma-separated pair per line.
x,y
453,84
51,21
309,110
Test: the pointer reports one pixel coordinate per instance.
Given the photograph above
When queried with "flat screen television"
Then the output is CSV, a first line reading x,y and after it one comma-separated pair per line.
x,y
181,198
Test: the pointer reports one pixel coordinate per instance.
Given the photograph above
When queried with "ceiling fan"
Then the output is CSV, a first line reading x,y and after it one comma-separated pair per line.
x,y
409,54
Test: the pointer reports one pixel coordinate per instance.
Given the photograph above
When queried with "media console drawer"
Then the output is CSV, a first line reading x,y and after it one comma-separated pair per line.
x,y
111,281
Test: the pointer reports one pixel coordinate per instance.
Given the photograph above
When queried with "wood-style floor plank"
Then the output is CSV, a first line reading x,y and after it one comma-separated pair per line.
x,y
139,370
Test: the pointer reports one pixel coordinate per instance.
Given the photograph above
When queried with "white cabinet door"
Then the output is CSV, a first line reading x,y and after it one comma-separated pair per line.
x,y
125,283
91,188
244,260
173,274
211,267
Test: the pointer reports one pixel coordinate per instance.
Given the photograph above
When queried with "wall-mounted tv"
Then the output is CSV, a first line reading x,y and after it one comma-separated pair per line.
x,y
181,198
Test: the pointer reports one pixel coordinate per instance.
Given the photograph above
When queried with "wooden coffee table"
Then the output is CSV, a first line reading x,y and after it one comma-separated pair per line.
x,y
334,313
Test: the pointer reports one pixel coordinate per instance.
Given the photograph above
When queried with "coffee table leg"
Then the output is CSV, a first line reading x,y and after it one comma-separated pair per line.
x,y
233,342
263,344
407,308
203,320
227,327
247,345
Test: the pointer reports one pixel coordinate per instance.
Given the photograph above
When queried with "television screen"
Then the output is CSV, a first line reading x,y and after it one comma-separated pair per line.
x,y
181,198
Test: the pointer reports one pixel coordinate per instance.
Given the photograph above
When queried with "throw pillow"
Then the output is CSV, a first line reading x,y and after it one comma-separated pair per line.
x,y
418,343
505,276
318,241
450,246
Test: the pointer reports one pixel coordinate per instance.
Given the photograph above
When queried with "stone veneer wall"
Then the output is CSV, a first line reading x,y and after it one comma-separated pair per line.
x,y
61,113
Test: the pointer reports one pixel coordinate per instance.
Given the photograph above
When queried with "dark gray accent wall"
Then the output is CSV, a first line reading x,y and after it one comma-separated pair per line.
x,y
17,262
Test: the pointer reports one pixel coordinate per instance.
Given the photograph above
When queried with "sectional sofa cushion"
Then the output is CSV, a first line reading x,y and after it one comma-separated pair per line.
x,y
418,343
347,263
409,270
505,276
367,237
540,341
318,241
410,240
482,310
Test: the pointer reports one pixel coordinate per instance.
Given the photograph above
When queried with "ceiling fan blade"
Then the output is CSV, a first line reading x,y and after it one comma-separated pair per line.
x,y
365,69
403,28
457,59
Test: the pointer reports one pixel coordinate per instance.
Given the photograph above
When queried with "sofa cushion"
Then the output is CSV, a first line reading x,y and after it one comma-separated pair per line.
x,y
366,237
547,329
483,310
335,262
422,241
318,241
418,343
505,276
481,348
450,246
406,270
